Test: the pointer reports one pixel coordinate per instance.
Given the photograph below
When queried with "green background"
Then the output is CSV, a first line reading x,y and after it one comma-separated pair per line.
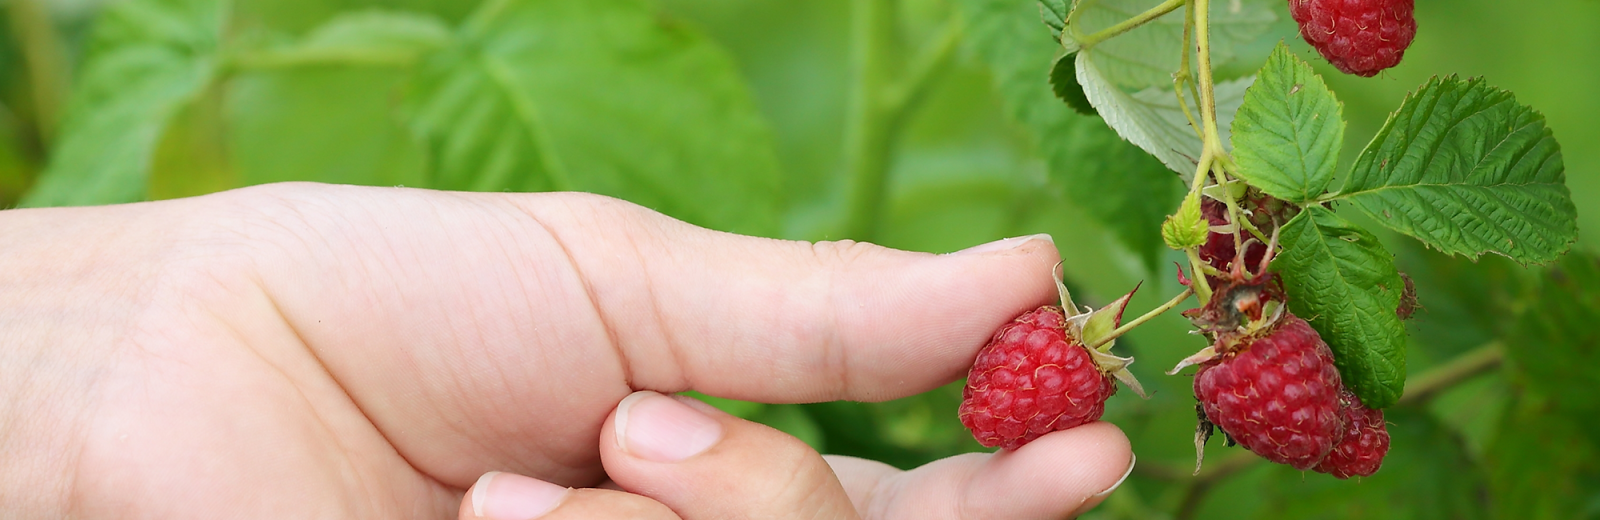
x,y
750,101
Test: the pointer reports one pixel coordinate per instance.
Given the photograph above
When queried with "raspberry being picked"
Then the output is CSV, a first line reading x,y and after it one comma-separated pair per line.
x,y
1361,37
1038,374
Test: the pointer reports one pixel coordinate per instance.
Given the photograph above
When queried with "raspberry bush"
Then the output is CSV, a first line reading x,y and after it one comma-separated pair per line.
x,y
1292,157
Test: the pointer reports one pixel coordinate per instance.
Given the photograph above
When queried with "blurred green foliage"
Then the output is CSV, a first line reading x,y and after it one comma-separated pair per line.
x,y
733,114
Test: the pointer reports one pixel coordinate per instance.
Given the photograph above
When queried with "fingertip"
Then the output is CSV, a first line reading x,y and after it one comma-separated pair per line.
x,y
1082,466
508,496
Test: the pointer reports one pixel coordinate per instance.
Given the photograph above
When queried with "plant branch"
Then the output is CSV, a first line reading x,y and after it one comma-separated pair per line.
x,y
868,133
1131,23
49,74
881,104
1208,90
1425,386
1185,75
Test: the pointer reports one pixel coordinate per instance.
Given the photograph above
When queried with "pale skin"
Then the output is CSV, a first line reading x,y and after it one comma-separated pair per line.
x,y
309,351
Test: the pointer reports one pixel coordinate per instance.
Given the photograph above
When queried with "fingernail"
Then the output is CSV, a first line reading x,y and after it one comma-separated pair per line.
x,y
508,496
658,428
1132,460
1006,245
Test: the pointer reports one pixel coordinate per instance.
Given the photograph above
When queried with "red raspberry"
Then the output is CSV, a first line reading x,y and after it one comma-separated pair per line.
x,y
1033,379
1276,393
1360,37
1366,441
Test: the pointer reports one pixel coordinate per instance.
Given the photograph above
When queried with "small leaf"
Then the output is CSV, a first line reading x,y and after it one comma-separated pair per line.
x,y
1287,134
1054,13
1342,281
1104,320
148,59
1064,80
1186,229
1464,168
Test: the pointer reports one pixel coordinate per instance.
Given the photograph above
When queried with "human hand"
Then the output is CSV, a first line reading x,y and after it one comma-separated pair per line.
x,y
306,351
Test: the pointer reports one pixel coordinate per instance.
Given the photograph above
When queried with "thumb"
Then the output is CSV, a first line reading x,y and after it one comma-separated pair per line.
x,y
705,464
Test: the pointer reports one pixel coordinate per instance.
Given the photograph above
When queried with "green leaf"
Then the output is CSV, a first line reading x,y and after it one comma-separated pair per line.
x,y
1287,134
602,96
1117,183
1342,281
1153,119
1064,81
148,59
1467,170
1054,13
1186,229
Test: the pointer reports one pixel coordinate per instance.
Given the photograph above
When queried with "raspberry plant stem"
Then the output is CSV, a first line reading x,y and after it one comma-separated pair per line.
x,y
1208,94
881,101
1185,75
1425,386
869,134
1136,322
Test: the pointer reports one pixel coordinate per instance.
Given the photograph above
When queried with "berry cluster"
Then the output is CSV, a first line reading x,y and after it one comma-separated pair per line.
x,y
1268,380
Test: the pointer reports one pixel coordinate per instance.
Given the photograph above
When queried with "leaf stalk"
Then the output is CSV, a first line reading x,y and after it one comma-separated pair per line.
x,y
1131,23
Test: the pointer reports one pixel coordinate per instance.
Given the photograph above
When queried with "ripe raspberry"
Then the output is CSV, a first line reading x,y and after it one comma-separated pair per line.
x,y
1360,37
1366,441
1276,393
1033,379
